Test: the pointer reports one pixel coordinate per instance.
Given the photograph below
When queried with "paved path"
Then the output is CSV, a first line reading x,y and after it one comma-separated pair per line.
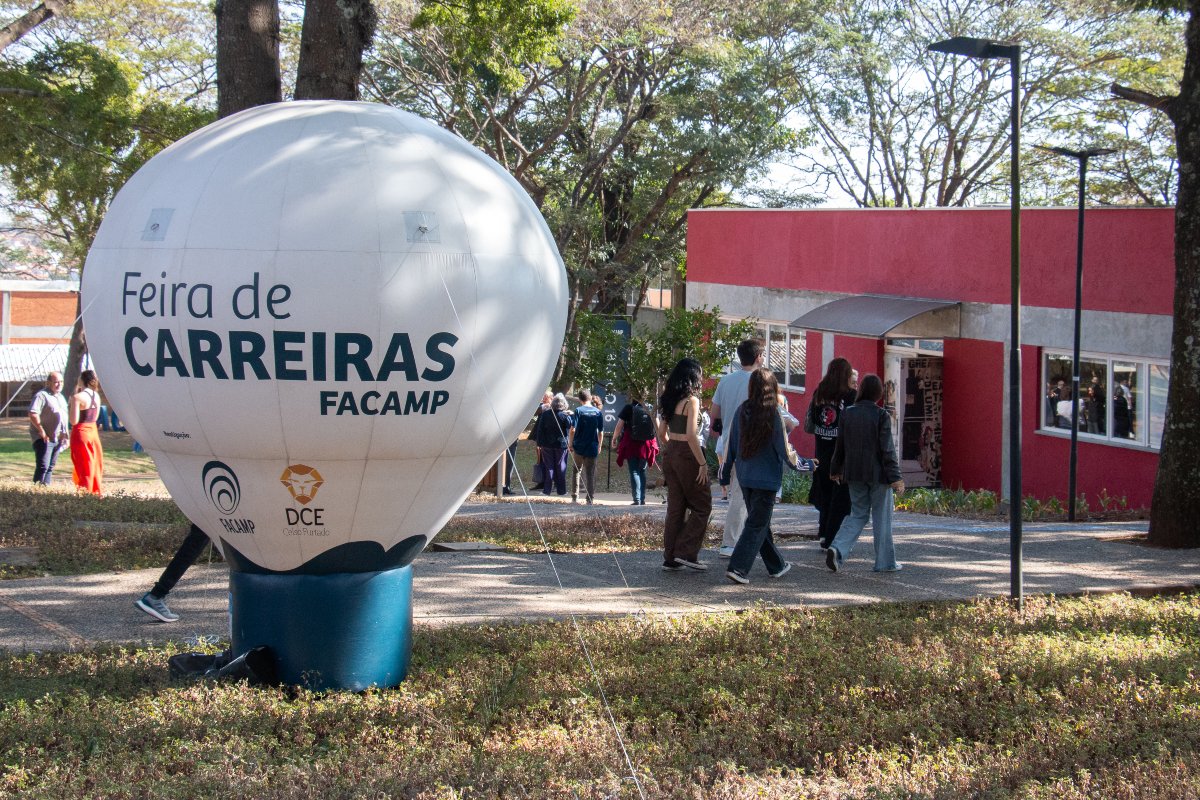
x,y
945,559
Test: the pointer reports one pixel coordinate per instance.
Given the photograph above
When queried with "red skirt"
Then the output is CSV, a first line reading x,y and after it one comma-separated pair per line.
x,y
87,457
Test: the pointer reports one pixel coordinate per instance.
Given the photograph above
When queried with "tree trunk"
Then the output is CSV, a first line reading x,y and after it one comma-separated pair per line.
x,y
247,55
75,353
332,42
30,20
1177,484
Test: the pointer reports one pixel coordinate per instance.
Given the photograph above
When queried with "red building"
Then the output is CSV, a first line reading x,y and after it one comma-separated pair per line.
x,y
921,298
35,330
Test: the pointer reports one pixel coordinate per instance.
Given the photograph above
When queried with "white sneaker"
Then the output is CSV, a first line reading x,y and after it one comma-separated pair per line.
x,y
725,552
787,566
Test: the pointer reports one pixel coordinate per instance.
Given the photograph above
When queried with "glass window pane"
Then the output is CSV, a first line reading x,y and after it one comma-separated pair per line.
x,y
796,358
1126,400
1057,406
1160,378
1093,385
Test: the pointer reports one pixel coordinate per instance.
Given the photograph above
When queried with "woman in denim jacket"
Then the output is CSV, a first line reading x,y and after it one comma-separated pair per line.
x,y
758,446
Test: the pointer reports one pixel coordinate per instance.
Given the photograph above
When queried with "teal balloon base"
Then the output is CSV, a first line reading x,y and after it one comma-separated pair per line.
x,y
338,631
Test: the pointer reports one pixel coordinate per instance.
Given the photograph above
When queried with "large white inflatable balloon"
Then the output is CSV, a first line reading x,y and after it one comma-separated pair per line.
x,y
324,320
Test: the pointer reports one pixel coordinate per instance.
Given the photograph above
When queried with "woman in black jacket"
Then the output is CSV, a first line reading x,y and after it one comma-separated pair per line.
x,y
865,458
834,395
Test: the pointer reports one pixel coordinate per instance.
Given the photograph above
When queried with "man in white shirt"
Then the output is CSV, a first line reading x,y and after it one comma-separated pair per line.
x,y
48,427
732,391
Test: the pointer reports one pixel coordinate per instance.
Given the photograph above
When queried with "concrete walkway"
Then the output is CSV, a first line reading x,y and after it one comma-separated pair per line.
x,y
945,559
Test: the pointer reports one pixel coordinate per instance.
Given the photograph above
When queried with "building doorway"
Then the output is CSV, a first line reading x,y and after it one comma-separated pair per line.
x,y
913,396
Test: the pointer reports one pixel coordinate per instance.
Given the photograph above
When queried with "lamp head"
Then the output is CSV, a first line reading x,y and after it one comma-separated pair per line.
x,y
1090,152
973,47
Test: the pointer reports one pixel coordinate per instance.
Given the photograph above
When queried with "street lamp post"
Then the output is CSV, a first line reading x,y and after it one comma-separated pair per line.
x,y
1082,157
972,47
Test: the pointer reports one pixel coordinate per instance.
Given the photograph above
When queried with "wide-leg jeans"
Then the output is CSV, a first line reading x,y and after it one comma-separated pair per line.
x,y
554,463
689,503
868,501
756,538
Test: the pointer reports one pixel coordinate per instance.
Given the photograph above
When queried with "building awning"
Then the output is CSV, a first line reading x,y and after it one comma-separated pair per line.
x,y
884,315
30,362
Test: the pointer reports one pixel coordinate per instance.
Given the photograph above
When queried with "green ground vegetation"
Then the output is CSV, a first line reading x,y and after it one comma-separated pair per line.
x,y
120,462
1070,698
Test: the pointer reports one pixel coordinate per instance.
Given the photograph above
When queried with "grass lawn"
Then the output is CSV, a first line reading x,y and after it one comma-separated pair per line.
x,y
1076,698
16,455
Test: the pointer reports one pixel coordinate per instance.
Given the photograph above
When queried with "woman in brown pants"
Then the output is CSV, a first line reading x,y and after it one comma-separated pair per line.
x,y
689,499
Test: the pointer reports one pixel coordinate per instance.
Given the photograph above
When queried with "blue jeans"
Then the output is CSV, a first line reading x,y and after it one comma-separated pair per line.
x,y
46,454
637,479
756,538
874,501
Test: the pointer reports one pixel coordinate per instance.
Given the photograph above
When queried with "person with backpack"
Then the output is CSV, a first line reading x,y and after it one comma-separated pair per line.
x,y
637,445
833,395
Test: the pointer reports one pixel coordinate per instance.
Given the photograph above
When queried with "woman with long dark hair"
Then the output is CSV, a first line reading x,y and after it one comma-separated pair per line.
x,y
689,498
87,456
833,395
865,458
758,446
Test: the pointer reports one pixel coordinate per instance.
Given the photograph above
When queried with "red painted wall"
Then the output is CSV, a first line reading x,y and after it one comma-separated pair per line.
x,y
953,254
960,254
973,402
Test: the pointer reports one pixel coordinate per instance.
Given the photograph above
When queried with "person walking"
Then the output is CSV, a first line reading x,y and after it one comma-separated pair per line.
x,y
584,440
637,446
865,458
87,454
685,469
550,433
154,602
758,450
732,390
48,429
833,395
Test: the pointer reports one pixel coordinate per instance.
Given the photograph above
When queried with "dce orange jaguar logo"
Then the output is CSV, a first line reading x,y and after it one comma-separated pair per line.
x,y
302,482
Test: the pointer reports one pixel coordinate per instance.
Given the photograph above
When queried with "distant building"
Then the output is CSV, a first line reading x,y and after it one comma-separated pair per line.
x,y
36,318
921,298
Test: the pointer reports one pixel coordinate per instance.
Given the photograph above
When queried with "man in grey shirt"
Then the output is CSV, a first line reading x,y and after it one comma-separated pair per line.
x,y
732,391
48,427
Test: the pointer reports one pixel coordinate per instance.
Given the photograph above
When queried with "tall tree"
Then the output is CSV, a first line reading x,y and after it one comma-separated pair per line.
x,y
332,42
72,138
25,23
899,126
247,55
616,120
1177,483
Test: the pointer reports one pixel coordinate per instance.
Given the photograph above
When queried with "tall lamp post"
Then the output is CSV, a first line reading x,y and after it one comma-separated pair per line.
x,y
972,47
1082,157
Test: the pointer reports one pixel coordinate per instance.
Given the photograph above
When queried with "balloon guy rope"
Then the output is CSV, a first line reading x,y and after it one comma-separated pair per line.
x,y
297,309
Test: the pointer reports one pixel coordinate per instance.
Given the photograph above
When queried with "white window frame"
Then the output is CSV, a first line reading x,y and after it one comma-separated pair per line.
x,y
1142,419
792,336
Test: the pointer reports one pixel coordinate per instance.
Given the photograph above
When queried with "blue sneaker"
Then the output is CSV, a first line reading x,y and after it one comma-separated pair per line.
x,y
155,607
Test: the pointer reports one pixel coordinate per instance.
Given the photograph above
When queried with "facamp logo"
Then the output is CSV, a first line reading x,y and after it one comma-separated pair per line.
x,y
222,487
302,482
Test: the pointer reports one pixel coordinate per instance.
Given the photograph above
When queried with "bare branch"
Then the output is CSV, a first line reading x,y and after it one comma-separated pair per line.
x,y
1155,101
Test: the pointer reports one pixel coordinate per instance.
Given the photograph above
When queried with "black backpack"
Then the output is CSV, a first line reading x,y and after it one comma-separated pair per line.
x,y
641,424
